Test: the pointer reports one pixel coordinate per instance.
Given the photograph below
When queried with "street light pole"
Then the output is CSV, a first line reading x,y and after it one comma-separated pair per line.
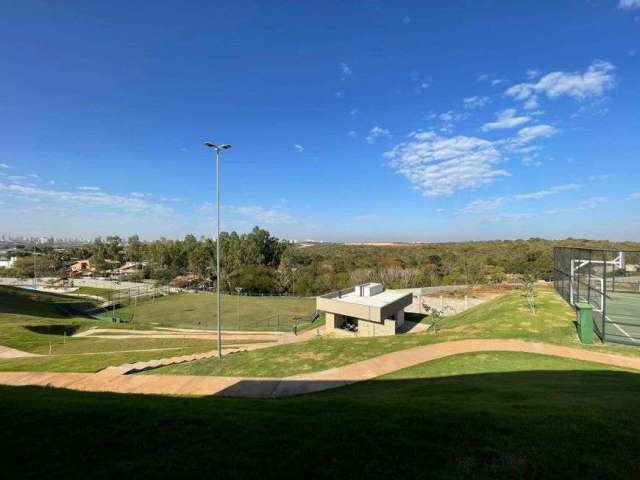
x,y
219,149
239,290
35,275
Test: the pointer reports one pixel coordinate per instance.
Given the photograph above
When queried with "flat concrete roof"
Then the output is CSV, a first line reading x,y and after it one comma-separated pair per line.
x,y
379,300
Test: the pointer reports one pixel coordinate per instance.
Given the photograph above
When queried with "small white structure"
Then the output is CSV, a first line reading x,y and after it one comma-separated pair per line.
x,y
367,310
8,263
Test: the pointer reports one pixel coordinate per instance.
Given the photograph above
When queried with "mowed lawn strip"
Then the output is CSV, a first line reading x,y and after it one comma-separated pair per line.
x,y
98,292
484,415
505,317
190,310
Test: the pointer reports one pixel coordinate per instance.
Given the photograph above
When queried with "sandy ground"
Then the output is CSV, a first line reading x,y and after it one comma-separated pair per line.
x,y
7,353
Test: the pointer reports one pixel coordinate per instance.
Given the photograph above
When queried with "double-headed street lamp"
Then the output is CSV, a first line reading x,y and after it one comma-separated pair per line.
x,y
219,148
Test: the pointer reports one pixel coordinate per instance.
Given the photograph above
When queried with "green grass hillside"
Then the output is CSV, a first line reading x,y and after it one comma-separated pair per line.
x,y
488,415
43,323
504,317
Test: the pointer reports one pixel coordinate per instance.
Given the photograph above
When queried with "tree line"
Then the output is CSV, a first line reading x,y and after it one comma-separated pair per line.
x,y
258,262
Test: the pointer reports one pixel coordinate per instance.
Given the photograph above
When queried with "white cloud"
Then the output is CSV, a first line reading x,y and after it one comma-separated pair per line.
x,y
298,147
491,79
598,78
88,189
72,200
493,204
450,118
547,192
339,93
592,202
635,195
139,194
34,175
354,111
483,206
528,134
346,70
475,102
377,132
506,119
352,133
16,178
4,165
437,165
629,4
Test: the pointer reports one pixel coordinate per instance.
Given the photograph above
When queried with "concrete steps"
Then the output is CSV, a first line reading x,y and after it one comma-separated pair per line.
x,y
129,368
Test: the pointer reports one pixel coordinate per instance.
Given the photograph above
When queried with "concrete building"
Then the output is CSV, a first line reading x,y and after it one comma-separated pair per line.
x,y
366,310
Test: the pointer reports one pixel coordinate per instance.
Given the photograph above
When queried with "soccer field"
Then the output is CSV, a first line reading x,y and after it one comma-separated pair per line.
x,y
191,310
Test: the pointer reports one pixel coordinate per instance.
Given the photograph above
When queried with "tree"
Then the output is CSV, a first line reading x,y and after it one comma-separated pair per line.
x,y
527,286
135,249
113,248
98,255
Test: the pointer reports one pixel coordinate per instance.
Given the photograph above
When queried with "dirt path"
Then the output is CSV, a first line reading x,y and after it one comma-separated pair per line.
x,y
122,334
114,381
8,352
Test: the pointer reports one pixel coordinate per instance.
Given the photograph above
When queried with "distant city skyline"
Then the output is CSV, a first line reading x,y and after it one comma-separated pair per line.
x,y
351,122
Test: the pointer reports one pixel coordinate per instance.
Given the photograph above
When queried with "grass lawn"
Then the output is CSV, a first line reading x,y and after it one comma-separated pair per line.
x,y
98,292
485,415
504,317
190,310
40,323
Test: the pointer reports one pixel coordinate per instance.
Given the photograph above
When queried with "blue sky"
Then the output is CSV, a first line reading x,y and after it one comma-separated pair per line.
x,y
377,121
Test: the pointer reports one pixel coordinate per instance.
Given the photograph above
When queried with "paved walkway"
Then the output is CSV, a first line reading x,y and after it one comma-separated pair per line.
x,y
113,381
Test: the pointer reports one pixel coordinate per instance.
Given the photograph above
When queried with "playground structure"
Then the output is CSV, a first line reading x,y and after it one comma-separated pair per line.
x,y
609,281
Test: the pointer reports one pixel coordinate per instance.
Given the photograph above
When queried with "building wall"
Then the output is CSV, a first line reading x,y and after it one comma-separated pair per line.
x,y
333,321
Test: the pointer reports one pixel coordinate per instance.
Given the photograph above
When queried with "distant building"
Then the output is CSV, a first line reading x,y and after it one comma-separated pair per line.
x,y
81,268
8,262
130,268
366,310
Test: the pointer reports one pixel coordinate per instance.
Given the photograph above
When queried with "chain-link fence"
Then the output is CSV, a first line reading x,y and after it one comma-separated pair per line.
x,y
609,280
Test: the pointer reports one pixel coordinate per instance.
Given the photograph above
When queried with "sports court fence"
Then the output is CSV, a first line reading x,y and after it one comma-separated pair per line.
x,y
609,280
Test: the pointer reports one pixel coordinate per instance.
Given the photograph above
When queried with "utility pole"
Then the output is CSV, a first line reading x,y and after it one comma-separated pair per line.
x,y
218,149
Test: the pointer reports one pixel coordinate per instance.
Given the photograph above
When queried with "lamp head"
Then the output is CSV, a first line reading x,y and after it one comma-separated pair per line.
x,y
223,146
